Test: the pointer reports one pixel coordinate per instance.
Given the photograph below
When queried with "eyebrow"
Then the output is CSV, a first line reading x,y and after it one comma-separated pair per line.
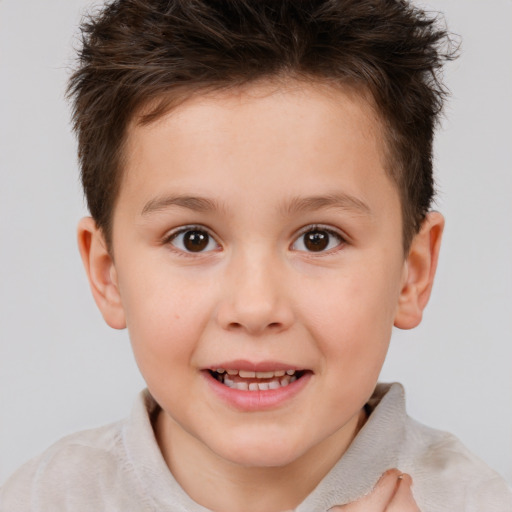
x,y
339,201
198,204
295,206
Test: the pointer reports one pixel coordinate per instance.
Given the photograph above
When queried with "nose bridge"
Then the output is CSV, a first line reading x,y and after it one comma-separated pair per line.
x,y
256,298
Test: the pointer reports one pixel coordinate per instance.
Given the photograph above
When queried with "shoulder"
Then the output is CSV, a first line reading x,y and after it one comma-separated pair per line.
x,y
88,461
447,476
118,468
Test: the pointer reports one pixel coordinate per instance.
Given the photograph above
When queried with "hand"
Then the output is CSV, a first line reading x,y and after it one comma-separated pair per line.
x,y
391,494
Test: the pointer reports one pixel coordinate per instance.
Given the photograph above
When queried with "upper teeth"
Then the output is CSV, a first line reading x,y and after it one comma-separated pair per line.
x,y
248,374
249,380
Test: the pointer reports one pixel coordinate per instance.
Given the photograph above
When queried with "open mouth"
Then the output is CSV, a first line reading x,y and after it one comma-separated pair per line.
x,y
246,380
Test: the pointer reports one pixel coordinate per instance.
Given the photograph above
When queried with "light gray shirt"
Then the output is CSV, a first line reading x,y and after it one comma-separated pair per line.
x,y
119,467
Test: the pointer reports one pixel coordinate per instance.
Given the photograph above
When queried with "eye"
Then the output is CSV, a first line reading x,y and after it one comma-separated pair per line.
x,y
317,239
192,240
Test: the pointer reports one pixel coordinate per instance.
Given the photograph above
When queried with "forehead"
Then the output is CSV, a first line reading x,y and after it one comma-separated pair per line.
x,y
293,130
308,108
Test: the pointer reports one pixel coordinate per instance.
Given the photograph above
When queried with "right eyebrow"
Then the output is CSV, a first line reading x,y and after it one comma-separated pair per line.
x,y
340,201
198,204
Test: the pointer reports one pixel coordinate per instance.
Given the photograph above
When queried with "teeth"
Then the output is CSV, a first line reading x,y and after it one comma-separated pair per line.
x,y
273,379
265,375
246,374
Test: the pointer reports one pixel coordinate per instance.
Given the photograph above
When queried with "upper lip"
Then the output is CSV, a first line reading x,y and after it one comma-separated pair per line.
x,y
260,366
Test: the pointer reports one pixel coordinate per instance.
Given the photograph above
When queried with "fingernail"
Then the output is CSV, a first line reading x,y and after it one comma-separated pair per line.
x,y
405,478
390,474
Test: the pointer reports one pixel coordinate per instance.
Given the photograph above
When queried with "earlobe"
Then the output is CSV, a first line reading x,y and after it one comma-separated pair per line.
x,y
101,273
420,270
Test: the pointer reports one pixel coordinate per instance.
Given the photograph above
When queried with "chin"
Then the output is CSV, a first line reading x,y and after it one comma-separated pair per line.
x,y
262,453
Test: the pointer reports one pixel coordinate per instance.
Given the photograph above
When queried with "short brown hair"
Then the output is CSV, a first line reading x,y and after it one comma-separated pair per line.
x,y
137,53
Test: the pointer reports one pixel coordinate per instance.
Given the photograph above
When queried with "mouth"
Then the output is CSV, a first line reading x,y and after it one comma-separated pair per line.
x,y
248,380
257,386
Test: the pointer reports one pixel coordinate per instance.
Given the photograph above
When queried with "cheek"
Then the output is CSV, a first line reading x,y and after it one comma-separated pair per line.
x,y
351,317
165,319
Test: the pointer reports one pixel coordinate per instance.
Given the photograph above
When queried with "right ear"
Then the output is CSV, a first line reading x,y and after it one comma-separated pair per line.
x,y
101,272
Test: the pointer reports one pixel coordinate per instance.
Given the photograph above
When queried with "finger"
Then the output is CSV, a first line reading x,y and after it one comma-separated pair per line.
x,y
385,488
403,499
378,499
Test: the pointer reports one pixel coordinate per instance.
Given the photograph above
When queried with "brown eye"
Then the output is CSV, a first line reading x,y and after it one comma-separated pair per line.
x,y
193,240
317,240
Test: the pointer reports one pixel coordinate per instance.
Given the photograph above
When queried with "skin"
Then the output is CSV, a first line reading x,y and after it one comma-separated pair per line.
x,y
266,163
392,493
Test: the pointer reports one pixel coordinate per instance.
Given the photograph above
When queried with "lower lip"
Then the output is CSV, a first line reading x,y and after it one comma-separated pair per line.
x,y
256,400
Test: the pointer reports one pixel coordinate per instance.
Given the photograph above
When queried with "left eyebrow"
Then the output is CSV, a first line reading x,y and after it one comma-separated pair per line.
x,y
340,201
198,204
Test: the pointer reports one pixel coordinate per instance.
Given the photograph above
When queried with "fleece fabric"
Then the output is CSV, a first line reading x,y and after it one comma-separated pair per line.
x,y
119,468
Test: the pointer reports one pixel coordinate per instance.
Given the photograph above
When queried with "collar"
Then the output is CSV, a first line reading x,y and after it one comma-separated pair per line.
x,y
374,450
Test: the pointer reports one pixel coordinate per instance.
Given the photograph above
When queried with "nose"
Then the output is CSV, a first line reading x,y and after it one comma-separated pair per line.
x,y
255,299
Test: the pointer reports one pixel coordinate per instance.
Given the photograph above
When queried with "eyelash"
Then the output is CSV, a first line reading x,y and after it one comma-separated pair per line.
x,y
331,232
169,238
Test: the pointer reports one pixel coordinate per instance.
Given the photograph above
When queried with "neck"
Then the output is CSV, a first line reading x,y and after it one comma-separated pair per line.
x,y
221,485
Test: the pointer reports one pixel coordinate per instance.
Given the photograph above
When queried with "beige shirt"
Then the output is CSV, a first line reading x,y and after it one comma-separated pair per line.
x,y
120,468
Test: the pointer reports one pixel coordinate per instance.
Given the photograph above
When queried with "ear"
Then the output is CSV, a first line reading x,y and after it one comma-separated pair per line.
x,y
101,272
420,269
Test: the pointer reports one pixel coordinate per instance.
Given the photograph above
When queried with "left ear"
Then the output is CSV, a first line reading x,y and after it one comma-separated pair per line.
x,y
420,270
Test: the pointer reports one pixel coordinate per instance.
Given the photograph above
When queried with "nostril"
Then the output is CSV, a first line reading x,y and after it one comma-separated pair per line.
x,y
273,326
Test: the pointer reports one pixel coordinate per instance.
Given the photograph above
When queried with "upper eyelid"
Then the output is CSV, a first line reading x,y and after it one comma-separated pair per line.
x,y
342,239
321,227
168,241
169,235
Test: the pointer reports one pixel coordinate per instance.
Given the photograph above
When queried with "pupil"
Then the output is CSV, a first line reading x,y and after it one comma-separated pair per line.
x,y
316,240
195,241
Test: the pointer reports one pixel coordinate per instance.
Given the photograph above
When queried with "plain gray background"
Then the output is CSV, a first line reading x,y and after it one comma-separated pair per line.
x,y
62,369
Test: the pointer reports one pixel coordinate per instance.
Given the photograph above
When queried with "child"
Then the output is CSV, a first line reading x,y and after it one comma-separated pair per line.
x,y
259,175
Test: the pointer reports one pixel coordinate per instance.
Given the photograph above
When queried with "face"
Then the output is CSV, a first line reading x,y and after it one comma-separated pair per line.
x,y
259,263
